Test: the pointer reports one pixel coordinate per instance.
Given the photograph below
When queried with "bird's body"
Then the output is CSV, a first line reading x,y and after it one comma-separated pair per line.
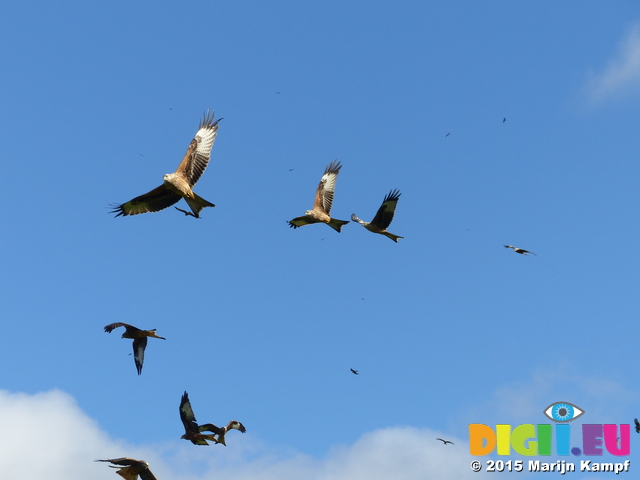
x,y
320,213
637,425
193,431
355,372
139,340
445,441
521,251
383,217
179,184
130,468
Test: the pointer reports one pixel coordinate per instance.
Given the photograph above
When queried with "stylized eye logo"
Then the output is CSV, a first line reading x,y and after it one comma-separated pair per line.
x,y
562,412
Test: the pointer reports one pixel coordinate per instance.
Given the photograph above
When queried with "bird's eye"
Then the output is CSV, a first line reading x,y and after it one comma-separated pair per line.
x,y
563,412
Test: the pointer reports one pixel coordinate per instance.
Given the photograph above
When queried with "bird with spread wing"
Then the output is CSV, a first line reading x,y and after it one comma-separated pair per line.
x,y
193,431
139,340
130,468
445,441
521,251
179,184
383,217
320,213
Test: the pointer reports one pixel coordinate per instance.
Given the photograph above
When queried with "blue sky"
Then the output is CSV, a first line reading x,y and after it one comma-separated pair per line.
x,y
263,322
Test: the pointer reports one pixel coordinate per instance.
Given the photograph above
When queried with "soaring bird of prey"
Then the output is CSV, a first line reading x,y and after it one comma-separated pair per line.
x,y
130,468
355,372
521,251
637,425
445,441
139,340
193,431
322,204
179,184
384,216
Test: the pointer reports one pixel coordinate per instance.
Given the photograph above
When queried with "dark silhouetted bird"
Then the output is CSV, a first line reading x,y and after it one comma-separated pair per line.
x,y
139,340
355,371
130,468
521,251
445,441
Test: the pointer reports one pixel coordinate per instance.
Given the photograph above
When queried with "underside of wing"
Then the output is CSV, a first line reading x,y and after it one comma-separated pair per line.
x,y
196,159
326,188
385,213
139,344
210,427
186,414
301,221
147,475
153,201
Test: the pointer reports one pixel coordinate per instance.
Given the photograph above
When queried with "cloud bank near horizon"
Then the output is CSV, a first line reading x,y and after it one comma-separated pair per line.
x,y
47,435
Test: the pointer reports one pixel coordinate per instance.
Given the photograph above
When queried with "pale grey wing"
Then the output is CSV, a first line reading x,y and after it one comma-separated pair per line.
x,y
139,344
197,157
356,219
326,188
385,213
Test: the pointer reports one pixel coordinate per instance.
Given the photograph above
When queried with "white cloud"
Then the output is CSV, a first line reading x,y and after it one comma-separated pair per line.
x,y
47,435
622,75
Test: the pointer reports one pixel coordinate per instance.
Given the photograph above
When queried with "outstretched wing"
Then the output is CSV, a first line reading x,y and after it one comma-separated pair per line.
x,y
301,221
186,414
139,344
153,201
326,188
109,328
210,427
236,425
196,159
131,468
386,211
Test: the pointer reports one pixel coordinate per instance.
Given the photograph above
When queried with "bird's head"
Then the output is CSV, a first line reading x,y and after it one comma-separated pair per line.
x,y
308,213
168,176
184,437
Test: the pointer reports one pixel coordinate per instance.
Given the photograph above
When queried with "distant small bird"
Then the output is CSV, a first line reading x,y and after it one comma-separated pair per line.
x,y
448,134
445,441
130,468
383,217
521,251
193,430
637,425
323,201
354,371
139,340
179,184
504,120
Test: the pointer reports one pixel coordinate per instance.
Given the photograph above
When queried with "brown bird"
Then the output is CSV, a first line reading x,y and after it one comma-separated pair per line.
x,y
193,431
139,340
323,201
521,251
445,441
383,217
179,184
131,468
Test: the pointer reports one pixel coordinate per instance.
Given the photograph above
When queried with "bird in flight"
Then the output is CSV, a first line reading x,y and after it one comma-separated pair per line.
x,y
521,251
504,119
130,468
193,431
179,184
139,340
355,372
185,212
445,441
383,217
322,204
448,134
637,425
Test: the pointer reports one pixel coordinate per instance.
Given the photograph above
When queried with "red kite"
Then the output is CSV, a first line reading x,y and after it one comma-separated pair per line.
x,y
179,184
384,216
445,441
193,430
521,251
322,204
132,468
139,340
